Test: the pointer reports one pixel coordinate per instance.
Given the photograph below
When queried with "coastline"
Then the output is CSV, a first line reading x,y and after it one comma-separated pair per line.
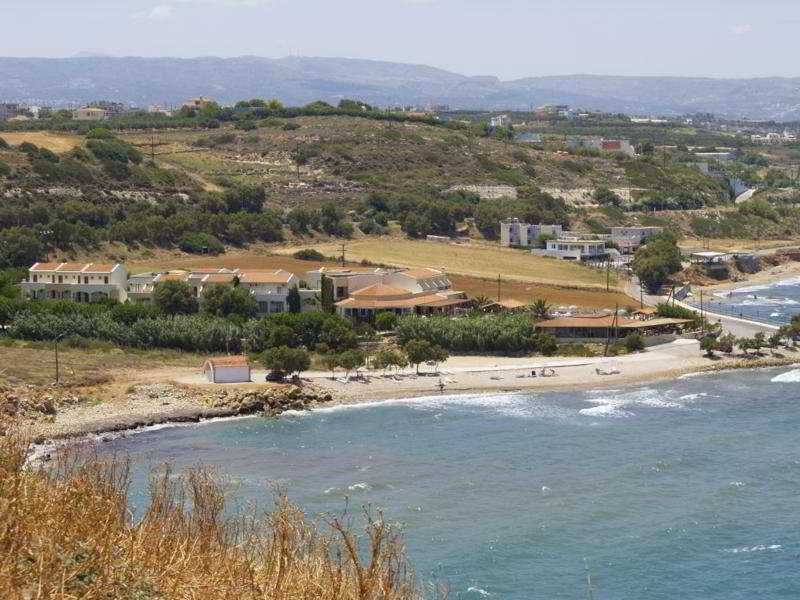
x,y
766,278
126,417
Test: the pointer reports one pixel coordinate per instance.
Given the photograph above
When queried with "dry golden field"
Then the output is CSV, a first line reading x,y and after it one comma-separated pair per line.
x,y
52,141
482,260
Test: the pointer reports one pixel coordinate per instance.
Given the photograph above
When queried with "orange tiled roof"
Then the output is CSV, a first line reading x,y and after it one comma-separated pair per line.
x,y
277,276
219,278
424,299
228,361
99,268
171,277
380,289
45,266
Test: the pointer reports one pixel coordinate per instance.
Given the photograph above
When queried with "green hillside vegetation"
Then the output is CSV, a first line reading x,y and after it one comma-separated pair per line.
x,y
261,172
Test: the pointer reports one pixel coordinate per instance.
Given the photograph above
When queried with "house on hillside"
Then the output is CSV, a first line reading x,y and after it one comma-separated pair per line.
x,y
89,114
227,369
574,249
79,282
199,102
269,288
528,138
514,233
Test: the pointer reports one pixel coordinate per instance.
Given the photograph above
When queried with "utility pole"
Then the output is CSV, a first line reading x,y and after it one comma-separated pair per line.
x,y
55,345
153,145
608,274
702,318
641,295
498,288
342,257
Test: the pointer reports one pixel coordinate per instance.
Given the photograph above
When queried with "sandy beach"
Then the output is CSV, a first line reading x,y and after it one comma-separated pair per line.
x,y
181,395
771,276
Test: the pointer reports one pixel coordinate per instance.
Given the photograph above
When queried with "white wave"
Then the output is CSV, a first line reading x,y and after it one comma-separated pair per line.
x,y
751,288
359,486
768,301
616,405
483,593
691,397
737,484
788,377
759,548
788,282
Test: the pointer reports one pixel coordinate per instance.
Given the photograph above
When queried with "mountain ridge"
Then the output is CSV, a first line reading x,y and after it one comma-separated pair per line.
x,y
299,80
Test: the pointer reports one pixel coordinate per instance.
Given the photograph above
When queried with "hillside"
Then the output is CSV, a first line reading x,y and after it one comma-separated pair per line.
x,y
299,80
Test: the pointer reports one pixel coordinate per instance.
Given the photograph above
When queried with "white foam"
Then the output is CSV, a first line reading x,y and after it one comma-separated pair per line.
x,y
759,548
483,593
691,397
737,484
616,405
788,377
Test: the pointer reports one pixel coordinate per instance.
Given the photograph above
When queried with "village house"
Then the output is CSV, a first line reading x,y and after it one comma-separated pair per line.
x,y
227,369
514,233
89,114
591,328
573,249
199,102
269,288
79,282
630,239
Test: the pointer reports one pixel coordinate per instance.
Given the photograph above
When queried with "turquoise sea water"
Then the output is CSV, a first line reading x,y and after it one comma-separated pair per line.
x,y
768,303
688,489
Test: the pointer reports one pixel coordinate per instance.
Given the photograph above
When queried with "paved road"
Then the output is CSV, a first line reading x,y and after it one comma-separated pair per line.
x,y
738,327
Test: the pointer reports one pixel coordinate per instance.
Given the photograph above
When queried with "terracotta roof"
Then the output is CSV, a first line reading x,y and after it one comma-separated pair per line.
x,y
209,270
228,361
424,273
424,299
380,289
99,268
587,321
45,266
510,304
345,271
277,276
171,277
219,278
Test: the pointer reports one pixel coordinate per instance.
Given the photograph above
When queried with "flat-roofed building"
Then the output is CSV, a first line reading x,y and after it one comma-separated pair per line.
x,y
79,282
574,249
89,114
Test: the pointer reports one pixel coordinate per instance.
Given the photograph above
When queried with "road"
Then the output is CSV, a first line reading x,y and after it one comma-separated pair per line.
x,y
738,327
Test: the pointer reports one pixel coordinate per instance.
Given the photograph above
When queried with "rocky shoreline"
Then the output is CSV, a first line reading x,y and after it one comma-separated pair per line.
x,y
156,404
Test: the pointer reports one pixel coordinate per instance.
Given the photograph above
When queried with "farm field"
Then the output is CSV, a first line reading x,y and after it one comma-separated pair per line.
x,y
52,141
471,260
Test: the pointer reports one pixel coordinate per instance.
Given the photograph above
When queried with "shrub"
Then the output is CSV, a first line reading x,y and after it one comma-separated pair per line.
x,y
290,126
309,254
634,342
285,360
385,321
200,243
5,169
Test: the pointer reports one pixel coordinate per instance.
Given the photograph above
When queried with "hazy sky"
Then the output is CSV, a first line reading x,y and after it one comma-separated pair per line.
x,y
507,38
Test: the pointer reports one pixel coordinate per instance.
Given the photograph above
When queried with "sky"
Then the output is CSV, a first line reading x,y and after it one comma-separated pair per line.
x,y
505,38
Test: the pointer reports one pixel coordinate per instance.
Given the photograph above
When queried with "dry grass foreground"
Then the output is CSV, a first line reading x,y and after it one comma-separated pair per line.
x,y
66,532
52,141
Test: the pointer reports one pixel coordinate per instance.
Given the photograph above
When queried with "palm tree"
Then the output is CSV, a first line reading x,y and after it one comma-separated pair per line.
x,y
480,300
540,309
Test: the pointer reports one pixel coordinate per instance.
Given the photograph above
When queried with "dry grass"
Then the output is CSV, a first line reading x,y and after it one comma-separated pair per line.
x,y
34,364
481,260
66,532
52,141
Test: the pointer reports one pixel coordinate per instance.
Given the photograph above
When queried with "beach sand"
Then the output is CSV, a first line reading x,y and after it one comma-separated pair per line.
x,y
189,399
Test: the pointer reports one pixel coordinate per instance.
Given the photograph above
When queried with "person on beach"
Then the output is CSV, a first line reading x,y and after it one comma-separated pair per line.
x,y
441,386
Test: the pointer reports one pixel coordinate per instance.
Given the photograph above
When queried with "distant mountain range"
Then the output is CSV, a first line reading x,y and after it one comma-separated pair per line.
x,y
297,80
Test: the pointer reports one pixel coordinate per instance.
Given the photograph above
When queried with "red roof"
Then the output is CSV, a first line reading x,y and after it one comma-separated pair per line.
x,y
228,361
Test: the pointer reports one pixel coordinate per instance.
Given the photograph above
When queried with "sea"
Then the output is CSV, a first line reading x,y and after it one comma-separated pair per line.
x,y
686,489
774,304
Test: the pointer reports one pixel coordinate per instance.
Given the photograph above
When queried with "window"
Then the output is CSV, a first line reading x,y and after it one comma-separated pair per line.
x,y
35,278
60,279
86,279
105,280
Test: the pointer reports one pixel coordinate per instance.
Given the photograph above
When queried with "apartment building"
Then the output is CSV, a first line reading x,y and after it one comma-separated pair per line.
x,y
514,233
79,282
269,288
573,249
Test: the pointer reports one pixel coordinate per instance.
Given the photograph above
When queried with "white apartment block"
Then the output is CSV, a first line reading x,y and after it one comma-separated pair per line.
x,y
629,239
514,233
79,282
573,249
